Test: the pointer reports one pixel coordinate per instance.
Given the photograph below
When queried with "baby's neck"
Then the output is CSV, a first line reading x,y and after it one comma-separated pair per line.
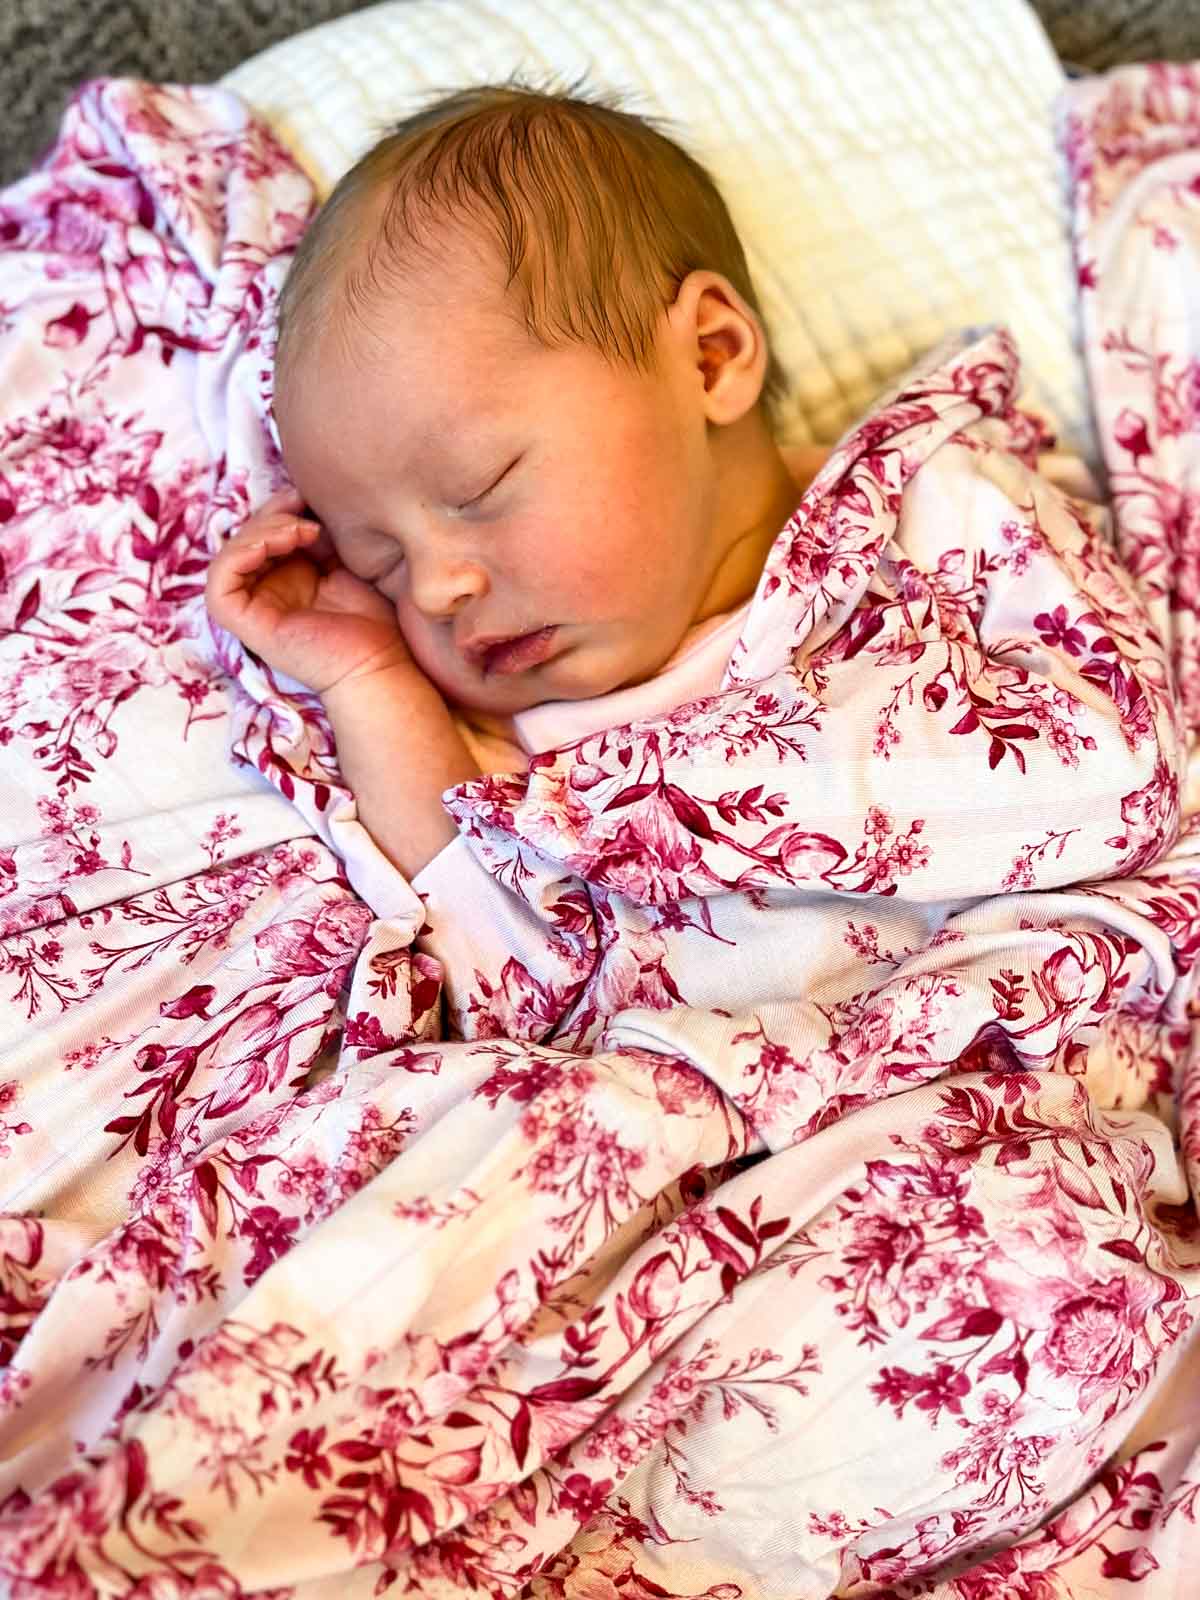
x,y
760,488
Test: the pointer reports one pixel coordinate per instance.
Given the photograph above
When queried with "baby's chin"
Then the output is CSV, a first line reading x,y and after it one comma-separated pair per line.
x,y
509,698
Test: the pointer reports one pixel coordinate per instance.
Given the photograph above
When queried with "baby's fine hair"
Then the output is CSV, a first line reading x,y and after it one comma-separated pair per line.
x,y
598,217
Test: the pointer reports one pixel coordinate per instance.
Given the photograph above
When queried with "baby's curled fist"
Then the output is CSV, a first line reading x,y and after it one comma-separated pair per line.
x,y
278,586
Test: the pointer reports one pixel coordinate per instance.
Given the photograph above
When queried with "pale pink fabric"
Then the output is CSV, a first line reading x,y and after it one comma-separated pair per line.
x,y
764,1169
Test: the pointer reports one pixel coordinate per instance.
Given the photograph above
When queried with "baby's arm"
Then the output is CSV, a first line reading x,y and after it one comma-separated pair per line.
x,y
279,588
399,750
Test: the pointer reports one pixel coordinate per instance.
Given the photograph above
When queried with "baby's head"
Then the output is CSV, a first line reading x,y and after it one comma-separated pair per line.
x,y
523,380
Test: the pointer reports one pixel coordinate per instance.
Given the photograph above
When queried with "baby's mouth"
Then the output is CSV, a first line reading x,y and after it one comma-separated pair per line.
x,y
518,654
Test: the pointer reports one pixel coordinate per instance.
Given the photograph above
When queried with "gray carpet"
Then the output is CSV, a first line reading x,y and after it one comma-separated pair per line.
x,y
48,46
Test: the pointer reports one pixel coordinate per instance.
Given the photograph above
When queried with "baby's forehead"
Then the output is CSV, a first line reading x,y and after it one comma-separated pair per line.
x,y
448,322
450,291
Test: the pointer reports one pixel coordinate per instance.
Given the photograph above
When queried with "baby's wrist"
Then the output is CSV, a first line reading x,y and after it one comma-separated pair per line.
x,y
399,750
392,682
395,713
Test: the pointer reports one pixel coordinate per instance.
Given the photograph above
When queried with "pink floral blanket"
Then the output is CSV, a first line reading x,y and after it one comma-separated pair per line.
x,y
772,1177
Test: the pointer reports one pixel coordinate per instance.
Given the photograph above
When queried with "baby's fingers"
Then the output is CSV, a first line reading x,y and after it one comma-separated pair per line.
x,y
286,499
311,536
250,554
269,539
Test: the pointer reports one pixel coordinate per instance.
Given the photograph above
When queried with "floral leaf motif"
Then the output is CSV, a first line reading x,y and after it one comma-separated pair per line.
x,y
630,795
192,1004
975,1322
519,1431
565,1391
29,604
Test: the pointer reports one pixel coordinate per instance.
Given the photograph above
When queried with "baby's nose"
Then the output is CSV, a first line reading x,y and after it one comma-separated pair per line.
x,y
440,586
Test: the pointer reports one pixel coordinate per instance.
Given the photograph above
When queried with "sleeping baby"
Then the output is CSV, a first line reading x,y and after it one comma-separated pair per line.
x,y
525,394
525,397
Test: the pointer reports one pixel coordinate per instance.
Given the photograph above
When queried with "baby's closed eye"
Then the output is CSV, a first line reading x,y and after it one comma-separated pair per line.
x,y
477,501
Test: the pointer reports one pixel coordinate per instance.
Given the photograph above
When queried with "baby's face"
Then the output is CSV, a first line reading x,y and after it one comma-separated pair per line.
x,y
542,520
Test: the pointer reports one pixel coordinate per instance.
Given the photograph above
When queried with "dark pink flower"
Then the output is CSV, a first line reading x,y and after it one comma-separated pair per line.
x,y
655,1290
306,1456
1091,1337
273,1237
1054,629
584,1496
78,227
942,1389
1130,1565
69,329
1129,430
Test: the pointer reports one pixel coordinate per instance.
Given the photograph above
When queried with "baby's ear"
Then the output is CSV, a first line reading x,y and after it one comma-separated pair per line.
x,y
723,340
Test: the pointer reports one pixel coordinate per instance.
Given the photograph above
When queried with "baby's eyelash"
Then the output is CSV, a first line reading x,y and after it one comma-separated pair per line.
x,y
483,494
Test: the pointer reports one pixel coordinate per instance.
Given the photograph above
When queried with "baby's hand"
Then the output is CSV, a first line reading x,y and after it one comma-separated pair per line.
x,y
278,586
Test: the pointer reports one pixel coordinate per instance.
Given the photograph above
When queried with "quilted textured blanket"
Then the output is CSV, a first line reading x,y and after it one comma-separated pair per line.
x,y
762,1165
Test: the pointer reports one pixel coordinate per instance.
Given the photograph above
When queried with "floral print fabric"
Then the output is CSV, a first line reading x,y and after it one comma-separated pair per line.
x,y
760,1162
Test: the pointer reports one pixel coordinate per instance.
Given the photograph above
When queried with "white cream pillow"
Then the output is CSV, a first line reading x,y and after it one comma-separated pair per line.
x,y
890,164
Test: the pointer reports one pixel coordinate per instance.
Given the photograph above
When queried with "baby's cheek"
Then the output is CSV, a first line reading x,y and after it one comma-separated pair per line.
x,y
393,587
413,624
583,568
417,635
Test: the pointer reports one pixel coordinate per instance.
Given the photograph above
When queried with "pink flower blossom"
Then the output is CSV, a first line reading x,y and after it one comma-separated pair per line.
x,y
1129,430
